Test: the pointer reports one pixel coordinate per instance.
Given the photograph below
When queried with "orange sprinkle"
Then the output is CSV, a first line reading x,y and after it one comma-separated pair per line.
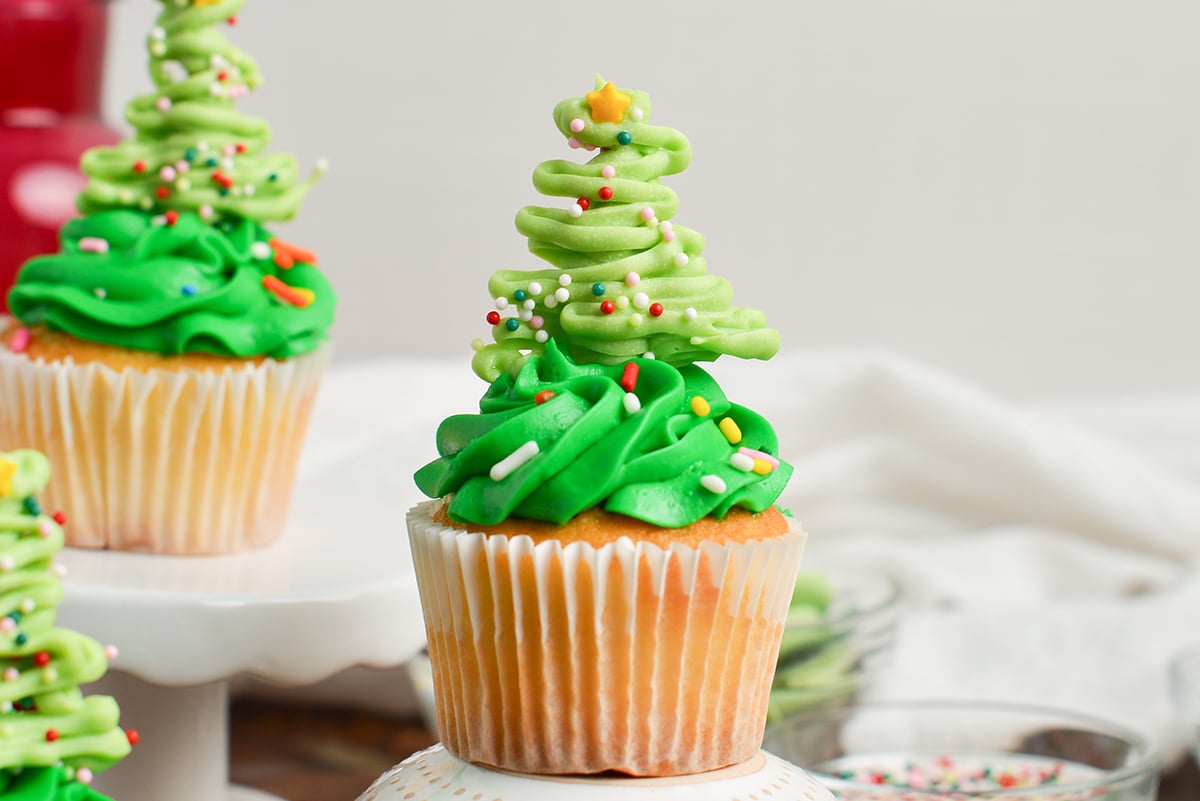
x,y
297,296
287,254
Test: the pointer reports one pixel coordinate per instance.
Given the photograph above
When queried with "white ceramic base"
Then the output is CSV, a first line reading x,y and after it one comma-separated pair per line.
x,y
237,793
437,775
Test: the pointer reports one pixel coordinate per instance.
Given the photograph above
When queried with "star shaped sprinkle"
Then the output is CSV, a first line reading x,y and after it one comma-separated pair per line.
x,y
608,104
206,2
7,471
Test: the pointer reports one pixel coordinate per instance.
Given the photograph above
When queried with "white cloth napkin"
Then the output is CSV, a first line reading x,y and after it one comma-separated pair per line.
x,y
1047,554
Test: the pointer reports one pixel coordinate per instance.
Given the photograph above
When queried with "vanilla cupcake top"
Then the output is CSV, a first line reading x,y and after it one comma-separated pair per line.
x,y
595,399
172,255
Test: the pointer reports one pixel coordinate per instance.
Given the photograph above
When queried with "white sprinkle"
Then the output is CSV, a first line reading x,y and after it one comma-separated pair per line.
x,y
562,294
112,652
681,259
218,61
202,146
641,300
549,301
158,33
649,355
28,605
689,313
635,319
666,225
228,163
11,674
501,303
633,404
7,563
564,279
125,196
59,570
535,288
260,250
529,303
100,292
576,210
215,90
541,336
502,469
322,165
696,340
6,706
742,462
251,190
93,244
183,184
525,314
713,483
636,114
622,302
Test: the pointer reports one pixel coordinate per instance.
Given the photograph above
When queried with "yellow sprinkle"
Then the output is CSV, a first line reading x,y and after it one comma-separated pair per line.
x,y
731,431
7,470
762,467
700,406
49,675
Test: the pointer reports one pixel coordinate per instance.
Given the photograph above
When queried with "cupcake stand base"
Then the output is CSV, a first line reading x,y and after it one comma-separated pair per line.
x,y
336,591
437,775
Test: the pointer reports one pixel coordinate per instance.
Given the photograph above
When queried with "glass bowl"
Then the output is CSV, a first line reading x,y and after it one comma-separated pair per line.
x,y
966,751
839,633
1185,690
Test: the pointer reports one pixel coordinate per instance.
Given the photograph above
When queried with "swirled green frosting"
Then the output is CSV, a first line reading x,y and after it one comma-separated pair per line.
x,y
45,721
190,286
656,459
622,249
193,150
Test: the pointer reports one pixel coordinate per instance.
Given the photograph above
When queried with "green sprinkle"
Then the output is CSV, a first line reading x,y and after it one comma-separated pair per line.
x,y
512,324
624,137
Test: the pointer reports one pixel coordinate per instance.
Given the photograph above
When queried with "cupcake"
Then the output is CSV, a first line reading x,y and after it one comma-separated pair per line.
x,y
168,356
54,738
603,571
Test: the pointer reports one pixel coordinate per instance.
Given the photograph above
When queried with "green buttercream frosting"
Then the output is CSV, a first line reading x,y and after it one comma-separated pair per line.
x,y
649,463
173,289
48,729
624,247
595,399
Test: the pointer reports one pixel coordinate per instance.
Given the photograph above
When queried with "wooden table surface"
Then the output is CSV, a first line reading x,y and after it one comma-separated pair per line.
x,y
314,754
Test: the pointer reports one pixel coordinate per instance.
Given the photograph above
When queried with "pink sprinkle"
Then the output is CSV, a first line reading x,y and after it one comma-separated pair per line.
x,y
648,214
11,674
769,459
20,340
93,244
45,528
573,142
536,322
577,125
84,776
589,148
163,104
206,211
237,90
632,279
112,652
167,173
182,166
8,625
668,235
608,171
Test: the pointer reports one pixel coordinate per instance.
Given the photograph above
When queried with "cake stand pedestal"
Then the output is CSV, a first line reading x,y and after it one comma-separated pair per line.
x,y
336,591
437,775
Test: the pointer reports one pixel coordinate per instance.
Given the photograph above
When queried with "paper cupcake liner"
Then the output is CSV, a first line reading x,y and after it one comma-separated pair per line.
x,y
173,462
575,659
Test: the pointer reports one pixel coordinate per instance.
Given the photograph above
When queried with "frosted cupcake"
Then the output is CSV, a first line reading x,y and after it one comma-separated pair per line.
x,y
603,573
54,738
167,358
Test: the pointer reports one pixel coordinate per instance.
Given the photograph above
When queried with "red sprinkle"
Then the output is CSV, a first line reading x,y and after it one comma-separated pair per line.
x,y
162,192
240,147
222,75
232,20
41,658
608,307
172,217
605,193
543,396
51,735
584,203
1007,780
656,310
629,377
20,340
139,166
493,317
132,736
60,518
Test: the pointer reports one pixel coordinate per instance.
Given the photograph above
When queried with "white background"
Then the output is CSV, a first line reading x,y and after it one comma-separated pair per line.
x,y
1009,190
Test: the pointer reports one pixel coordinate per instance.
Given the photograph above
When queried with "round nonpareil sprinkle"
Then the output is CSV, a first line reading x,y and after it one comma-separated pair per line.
x,y
605,193
622,302
45,528
608,307
689,313
632,279
713,483
541,336
512,324
624,137
536,322
597,289
493,318
564,279
656,309
503,468
84,775
641,300
632,403
730,429
529,304
7,563
648,213
11,674
636,114
575,210
520,295
562,294
700,406
112,652
636,319
681,259
525,314
60,518
549,301
577,125
608,171
535,288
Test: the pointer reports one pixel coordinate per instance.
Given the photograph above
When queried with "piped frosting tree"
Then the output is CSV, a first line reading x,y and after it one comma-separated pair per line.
x,y
625,281
52,738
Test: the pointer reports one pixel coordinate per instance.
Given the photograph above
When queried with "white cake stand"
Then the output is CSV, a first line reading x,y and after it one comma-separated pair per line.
x,y
337,590
437,775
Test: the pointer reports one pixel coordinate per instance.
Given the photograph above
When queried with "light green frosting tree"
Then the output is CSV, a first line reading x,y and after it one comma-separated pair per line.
x,y
51,736
625,281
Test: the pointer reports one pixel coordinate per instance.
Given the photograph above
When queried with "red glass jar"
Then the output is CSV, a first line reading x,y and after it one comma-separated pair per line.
x,y
51,60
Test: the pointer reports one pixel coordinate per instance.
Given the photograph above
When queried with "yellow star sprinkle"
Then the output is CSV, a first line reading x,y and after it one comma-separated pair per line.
x,y
7,471
608,104
206,2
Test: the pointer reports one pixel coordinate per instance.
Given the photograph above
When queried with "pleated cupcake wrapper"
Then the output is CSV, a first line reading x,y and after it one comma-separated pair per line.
x,y
182,462
575,659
